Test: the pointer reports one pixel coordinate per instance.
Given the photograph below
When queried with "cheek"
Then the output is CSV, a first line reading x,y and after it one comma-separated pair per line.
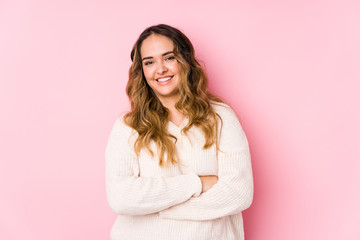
x,y
148,77
147,74
175,67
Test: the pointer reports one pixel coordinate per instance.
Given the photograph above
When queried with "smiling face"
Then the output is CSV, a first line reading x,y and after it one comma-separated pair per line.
x,y
161,69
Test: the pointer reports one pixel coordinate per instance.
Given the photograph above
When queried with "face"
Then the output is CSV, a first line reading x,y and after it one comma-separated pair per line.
x,y
161,69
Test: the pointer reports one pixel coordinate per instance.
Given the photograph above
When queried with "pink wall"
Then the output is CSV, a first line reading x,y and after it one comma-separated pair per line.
x,y
290,70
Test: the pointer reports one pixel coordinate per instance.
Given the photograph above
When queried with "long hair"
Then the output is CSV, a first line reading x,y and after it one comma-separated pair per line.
x,y
148,116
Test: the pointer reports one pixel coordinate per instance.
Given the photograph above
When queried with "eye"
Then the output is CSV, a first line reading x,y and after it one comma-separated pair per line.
x,y
148,63
170,58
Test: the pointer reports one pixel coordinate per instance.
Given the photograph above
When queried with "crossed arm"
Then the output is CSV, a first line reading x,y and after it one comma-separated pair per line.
x,y
185,196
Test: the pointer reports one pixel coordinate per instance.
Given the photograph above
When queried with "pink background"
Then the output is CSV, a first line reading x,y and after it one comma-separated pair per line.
x,y
290,69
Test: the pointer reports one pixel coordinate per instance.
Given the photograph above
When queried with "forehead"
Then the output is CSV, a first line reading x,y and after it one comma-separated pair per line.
x,y
156,45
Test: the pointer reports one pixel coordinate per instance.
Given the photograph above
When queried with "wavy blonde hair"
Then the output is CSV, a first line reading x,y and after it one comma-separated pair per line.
x,y
148,116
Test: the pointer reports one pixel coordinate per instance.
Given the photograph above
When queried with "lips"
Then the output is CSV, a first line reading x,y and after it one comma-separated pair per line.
x,y
164,79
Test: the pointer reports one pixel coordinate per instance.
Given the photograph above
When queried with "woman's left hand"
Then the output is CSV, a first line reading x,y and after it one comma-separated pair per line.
x,y
207,182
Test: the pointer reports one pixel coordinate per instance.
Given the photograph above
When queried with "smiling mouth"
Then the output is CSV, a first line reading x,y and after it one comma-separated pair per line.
x,y
164,79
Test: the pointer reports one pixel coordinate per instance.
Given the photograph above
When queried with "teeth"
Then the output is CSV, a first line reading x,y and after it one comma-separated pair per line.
x,y
164,79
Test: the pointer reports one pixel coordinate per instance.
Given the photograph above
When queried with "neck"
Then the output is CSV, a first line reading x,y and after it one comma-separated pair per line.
x,y
169,102
174,115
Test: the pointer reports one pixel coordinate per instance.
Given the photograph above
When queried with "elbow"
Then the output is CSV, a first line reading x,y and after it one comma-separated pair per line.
x,y
118,202
123,206
117,206
247,197
117,197
248,200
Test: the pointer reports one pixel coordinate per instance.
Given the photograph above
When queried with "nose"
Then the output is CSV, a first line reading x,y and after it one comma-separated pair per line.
x,y
161,68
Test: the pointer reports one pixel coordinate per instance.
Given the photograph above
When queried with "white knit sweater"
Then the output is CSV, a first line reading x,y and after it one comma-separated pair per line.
x,y
165,203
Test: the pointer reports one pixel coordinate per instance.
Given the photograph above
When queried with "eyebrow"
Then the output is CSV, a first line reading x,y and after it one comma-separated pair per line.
x,y
166,53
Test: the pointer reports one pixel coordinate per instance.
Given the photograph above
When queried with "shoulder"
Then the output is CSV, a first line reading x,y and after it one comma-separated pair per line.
x,y
120,125
220,106
227,116
224,111
232,135
121,136
121,139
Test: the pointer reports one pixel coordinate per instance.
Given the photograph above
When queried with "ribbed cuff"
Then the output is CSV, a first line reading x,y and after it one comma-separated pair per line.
x,y
196,184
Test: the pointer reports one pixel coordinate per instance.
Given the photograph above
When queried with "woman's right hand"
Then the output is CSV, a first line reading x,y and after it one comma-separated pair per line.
x,y
207,182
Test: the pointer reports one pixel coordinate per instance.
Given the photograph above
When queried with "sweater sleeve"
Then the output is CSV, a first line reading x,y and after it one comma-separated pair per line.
x,y
129,193
233,192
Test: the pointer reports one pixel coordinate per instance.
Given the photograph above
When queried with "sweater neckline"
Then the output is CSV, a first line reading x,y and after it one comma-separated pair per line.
x,y
181,126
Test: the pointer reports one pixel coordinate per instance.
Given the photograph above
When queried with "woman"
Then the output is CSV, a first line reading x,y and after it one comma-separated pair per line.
x,y
178,164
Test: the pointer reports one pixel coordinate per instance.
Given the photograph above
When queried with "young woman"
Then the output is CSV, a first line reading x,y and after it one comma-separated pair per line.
x,y
178,164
